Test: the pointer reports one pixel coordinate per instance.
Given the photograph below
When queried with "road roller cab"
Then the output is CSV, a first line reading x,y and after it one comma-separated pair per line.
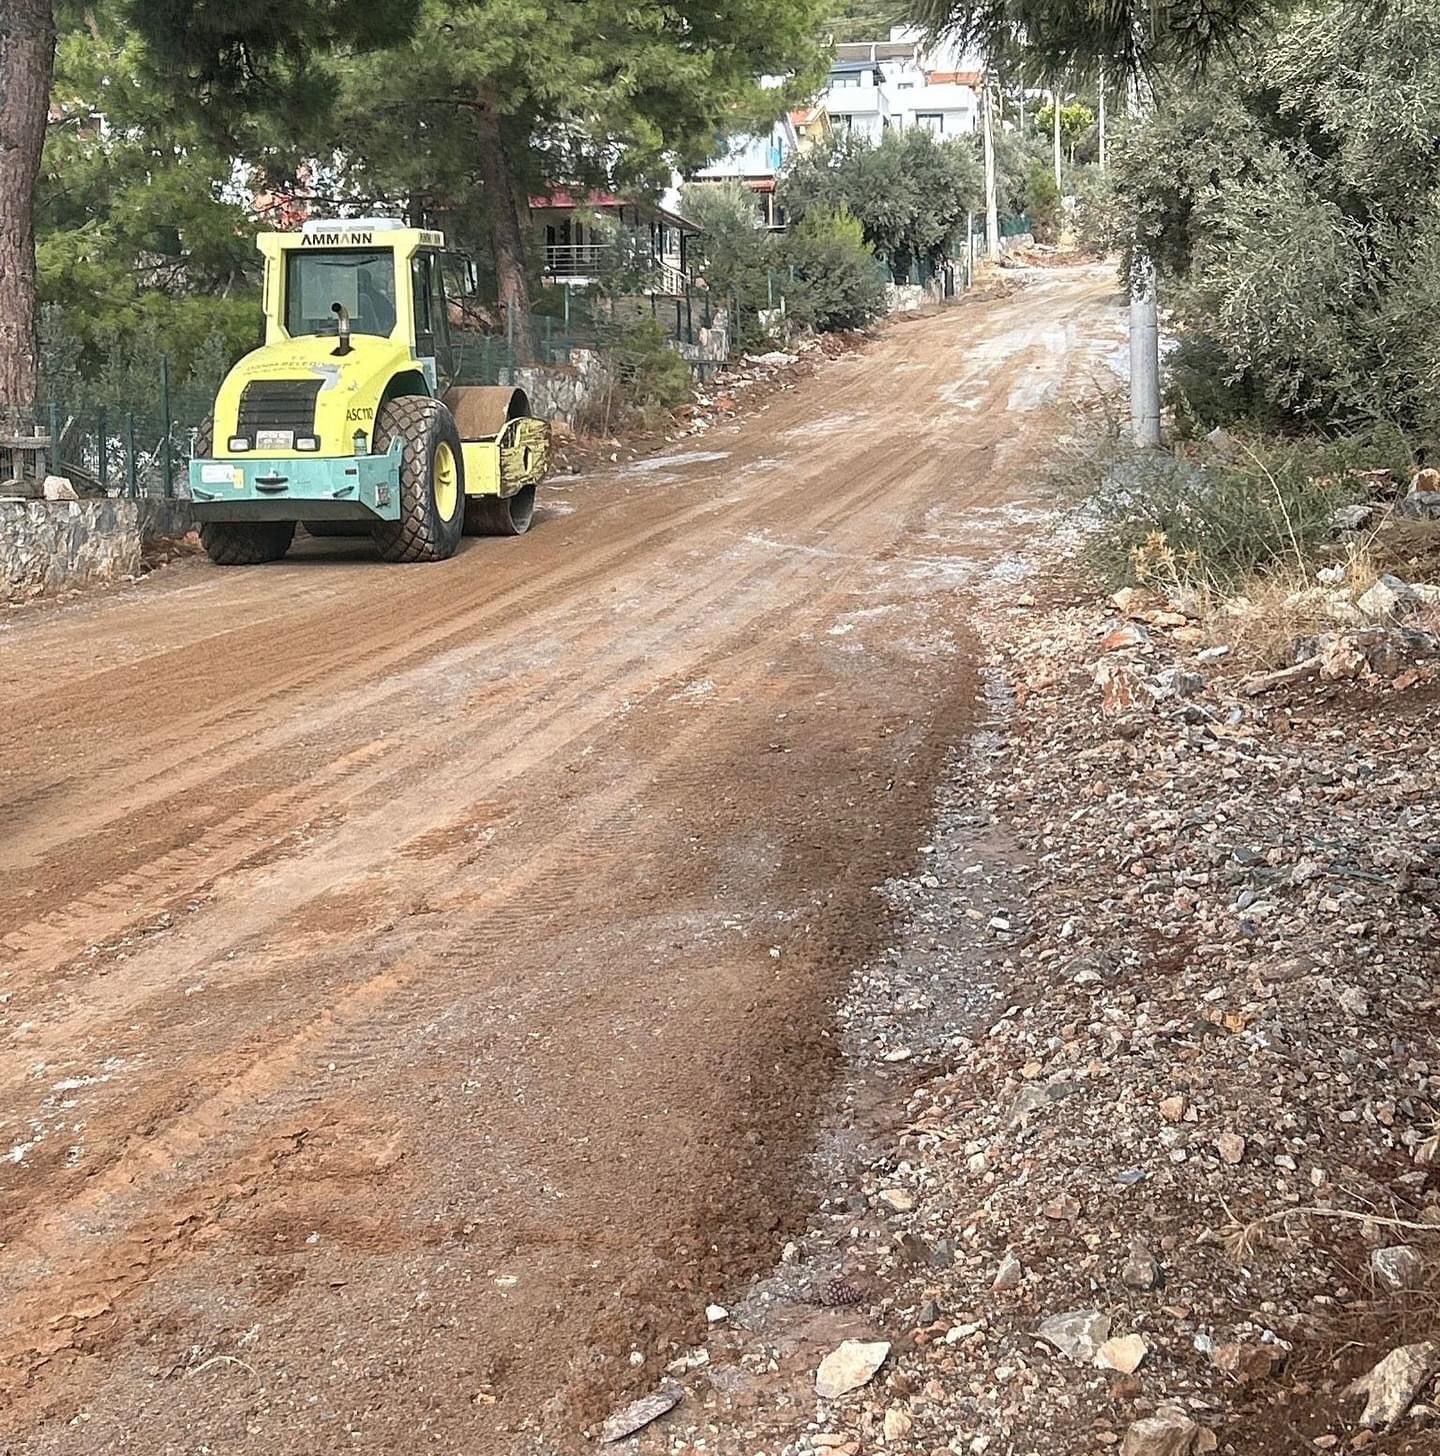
x,y
351,417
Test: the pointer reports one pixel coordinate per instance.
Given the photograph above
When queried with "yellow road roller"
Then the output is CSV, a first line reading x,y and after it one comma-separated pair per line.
x,y
352,419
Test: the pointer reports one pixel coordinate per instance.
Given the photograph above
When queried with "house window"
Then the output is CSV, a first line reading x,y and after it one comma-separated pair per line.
x,y
931,121
837,82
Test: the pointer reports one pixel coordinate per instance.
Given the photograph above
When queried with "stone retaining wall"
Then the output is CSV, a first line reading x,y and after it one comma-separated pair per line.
x,y
51,546
559,393
708,354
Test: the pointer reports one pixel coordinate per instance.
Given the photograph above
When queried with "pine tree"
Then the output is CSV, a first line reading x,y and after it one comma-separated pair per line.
x,y
518,96
233,63
27,55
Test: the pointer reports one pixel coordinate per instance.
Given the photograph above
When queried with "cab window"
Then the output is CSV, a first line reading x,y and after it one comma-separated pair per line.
x,y
362,281
423,285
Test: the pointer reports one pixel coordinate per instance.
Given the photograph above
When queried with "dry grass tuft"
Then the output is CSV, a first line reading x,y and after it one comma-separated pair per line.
x,y
1262,622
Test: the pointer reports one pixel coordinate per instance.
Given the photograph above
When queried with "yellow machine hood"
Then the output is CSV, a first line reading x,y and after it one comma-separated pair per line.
x,y
347,390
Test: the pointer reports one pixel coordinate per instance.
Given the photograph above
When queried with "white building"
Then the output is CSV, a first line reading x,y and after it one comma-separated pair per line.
x,y
876,85
758,161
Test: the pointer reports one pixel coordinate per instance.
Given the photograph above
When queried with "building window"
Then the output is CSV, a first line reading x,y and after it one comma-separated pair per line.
x,y
838,82
931,121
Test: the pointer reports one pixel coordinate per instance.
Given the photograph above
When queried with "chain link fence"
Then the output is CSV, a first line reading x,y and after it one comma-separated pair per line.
x,y
132,452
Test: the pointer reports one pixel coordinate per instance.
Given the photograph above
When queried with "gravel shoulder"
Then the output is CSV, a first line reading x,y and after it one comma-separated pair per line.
x,y
1142,1095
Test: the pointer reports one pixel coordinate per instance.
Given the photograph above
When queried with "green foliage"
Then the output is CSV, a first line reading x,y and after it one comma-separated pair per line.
x,y
1131,37
733,251
1093,216
1015,160
911,193
591,93
138,231
652,374
1042,198
1076,119
1218,514
1201,394
1294,204
837,283
121,377
736,256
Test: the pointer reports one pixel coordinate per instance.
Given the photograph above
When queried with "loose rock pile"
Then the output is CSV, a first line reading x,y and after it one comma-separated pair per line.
x,y
1175,1191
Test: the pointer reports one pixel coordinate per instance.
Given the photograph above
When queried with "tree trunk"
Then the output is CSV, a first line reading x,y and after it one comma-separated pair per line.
x,y
507,232
27,62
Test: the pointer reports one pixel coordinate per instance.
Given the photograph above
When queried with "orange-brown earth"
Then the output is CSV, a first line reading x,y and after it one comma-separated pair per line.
x,y
416,984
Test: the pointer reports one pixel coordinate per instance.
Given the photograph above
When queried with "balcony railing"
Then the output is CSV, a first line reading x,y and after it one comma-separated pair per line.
x,y
588,260
580,260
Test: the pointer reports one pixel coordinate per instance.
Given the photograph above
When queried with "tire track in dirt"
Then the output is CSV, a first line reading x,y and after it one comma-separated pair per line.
x,y
540,993
346,1028
221,848
108,1015
174,782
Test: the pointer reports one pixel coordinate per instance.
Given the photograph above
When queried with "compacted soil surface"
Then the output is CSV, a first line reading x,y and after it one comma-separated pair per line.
x,y
420,987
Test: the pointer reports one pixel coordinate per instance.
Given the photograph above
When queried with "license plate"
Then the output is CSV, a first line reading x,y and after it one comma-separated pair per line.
x,y
275,439
218,474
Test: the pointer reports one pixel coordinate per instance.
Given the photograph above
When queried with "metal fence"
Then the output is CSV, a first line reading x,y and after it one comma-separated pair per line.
x,y
596,323
139,452
144,448
1012,225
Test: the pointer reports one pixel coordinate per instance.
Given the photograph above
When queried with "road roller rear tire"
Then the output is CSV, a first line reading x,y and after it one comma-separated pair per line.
x,y
246,543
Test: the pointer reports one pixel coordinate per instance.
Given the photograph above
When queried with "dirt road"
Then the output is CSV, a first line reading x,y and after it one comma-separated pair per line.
x,y
417,983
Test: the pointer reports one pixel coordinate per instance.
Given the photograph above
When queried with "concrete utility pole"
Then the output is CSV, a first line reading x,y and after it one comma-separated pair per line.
x,y
992,211
1055,119
1144,326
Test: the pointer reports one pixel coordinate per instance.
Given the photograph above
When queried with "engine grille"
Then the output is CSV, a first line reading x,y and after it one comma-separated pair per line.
x,y
278,404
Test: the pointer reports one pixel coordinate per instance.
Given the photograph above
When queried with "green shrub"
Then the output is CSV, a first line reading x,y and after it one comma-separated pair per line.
x,y
736,256
650,372
838,282
1043,202
1291,203
1218,513
733,251
1200,392
910,191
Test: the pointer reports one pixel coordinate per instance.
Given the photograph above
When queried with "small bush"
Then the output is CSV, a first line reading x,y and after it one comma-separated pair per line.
x,y
1042,199
1201,394
1092,219
1213,516
838,282
650,373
